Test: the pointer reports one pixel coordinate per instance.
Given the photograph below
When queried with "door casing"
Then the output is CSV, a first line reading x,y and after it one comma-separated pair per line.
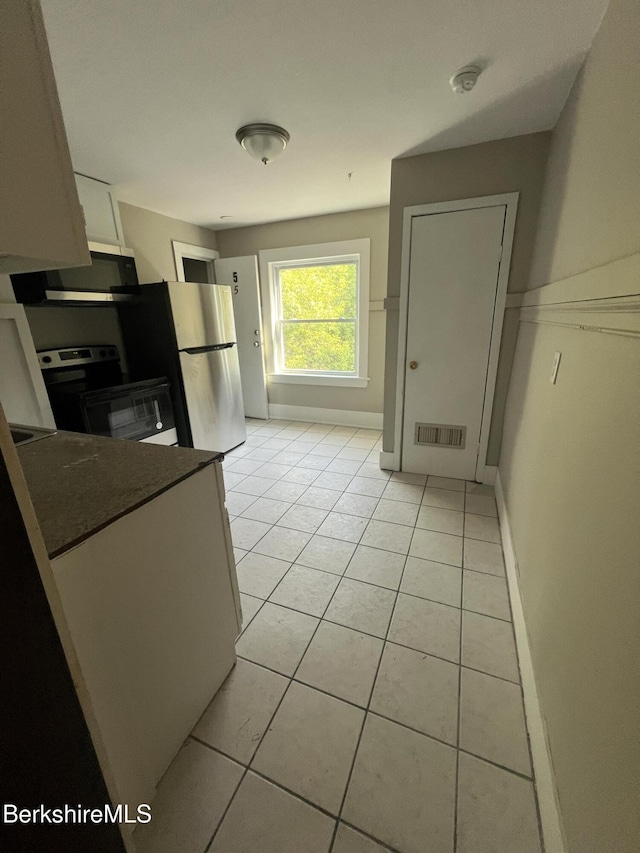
x,y
510,200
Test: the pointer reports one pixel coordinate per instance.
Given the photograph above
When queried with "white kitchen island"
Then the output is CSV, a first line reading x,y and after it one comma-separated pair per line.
x,y
141,553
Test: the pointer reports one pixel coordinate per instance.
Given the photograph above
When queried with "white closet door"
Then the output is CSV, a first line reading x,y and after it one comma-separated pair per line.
x,y
453,280
241,274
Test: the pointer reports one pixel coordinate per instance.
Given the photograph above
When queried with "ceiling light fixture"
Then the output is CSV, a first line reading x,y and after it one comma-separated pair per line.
x,y
465,79
263,142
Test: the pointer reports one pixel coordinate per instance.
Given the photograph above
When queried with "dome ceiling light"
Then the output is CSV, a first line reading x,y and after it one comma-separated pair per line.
x,y
465,79
263,142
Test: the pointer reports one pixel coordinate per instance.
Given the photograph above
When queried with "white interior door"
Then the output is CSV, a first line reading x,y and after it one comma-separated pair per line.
x,y
453,282
242,275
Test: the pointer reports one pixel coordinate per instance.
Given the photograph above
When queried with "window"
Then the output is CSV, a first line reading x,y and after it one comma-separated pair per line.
x,y
318,300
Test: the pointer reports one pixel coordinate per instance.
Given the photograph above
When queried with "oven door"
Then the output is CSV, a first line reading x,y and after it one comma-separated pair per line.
x,y
135,411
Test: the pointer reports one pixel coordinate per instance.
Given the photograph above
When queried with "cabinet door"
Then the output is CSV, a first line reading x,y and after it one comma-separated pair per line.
x,y
101,213
22,392
41,225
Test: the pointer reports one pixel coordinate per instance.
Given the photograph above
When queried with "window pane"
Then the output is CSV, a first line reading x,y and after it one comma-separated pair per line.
x,y
319,293
320,346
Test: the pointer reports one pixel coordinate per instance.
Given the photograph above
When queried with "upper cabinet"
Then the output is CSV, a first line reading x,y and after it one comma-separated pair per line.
x,y
41,222
101,212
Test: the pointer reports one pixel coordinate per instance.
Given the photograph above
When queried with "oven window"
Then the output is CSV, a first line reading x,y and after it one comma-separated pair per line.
x,y
132,415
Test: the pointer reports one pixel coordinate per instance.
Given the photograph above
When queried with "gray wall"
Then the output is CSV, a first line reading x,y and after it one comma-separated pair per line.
x,y
570,461
372,223
501,166
150,234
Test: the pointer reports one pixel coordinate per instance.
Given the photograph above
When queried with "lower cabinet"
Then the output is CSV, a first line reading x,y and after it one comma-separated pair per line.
x,y
152,607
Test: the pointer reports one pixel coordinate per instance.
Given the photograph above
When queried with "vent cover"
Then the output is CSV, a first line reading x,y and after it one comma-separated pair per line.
x,y
441,435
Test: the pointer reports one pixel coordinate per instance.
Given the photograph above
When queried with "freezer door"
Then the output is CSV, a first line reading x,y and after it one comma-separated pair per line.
x,y
202,314
213,393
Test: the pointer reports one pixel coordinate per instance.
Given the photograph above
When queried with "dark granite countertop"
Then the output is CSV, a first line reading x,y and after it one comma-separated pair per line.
x,y
81,483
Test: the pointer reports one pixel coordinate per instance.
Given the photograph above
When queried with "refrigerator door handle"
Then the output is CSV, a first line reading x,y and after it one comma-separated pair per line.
x,y
209,348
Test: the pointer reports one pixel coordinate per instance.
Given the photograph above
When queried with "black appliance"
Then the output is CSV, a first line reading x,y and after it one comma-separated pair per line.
x,y
89,393
109,278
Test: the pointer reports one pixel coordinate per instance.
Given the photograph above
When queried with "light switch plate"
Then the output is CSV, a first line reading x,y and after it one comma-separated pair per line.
x,y
556,364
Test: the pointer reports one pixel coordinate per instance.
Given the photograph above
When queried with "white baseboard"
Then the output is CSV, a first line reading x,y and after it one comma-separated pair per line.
x,y
388,461
339,417
554,841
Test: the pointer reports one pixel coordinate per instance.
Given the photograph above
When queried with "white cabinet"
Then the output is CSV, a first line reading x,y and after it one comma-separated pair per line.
x,y
101,212
22,392
41,224
151,605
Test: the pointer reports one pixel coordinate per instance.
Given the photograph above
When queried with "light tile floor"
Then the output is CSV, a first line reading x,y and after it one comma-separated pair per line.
x,y
376,703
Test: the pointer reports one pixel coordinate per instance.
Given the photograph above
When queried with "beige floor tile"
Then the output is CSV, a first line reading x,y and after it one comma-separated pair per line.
x,y
435,581
361,606
396,512
402,790
480,504
246,533
442,520
337,525
343,466
190,802
482,527
250,606
426,626
338,482
277,638
236,502
369,469
492,721
266,819
439,547
284,491
403,492
314,463
326,450
353,453
350,841
480,489
320,498
310,745
418,690
488,645
408,477
330,555
254,485
496,810
243,466
342,662
264,509
366,486
483,557
388,537
282,543
306,476
353,504
443,498
486,594
241,710
259,575
375,566
446,483
305,518
304,589
239,553
273,470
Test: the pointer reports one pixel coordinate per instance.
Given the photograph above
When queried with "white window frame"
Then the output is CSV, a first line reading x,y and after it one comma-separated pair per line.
x,y
271,260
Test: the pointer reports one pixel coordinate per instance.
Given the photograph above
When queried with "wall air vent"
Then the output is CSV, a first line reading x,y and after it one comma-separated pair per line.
x,y
440,435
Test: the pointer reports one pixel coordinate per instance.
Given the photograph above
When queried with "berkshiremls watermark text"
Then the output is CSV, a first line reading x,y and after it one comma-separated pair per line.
x,y
121,813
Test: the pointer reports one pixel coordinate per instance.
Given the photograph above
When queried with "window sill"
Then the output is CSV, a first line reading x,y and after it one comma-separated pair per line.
x,y
336,381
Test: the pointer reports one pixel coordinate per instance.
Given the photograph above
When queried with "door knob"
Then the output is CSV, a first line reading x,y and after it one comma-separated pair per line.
x,y
413,365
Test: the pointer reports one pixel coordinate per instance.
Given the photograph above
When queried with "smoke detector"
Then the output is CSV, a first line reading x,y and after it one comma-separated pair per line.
x,y
464,79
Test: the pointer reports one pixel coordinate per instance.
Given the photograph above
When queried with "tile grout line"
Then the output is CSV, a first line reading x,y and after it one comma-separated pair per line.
x,y
367,709
457,777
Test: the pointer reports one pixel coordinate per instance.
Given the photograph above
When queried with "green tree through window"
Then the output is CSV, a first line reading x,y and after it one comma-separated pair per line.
x,y
318,317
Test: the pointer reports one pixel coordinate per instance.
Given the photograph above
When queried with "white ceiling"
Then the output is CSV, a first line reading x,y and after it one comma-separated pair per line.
x,y
153,91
